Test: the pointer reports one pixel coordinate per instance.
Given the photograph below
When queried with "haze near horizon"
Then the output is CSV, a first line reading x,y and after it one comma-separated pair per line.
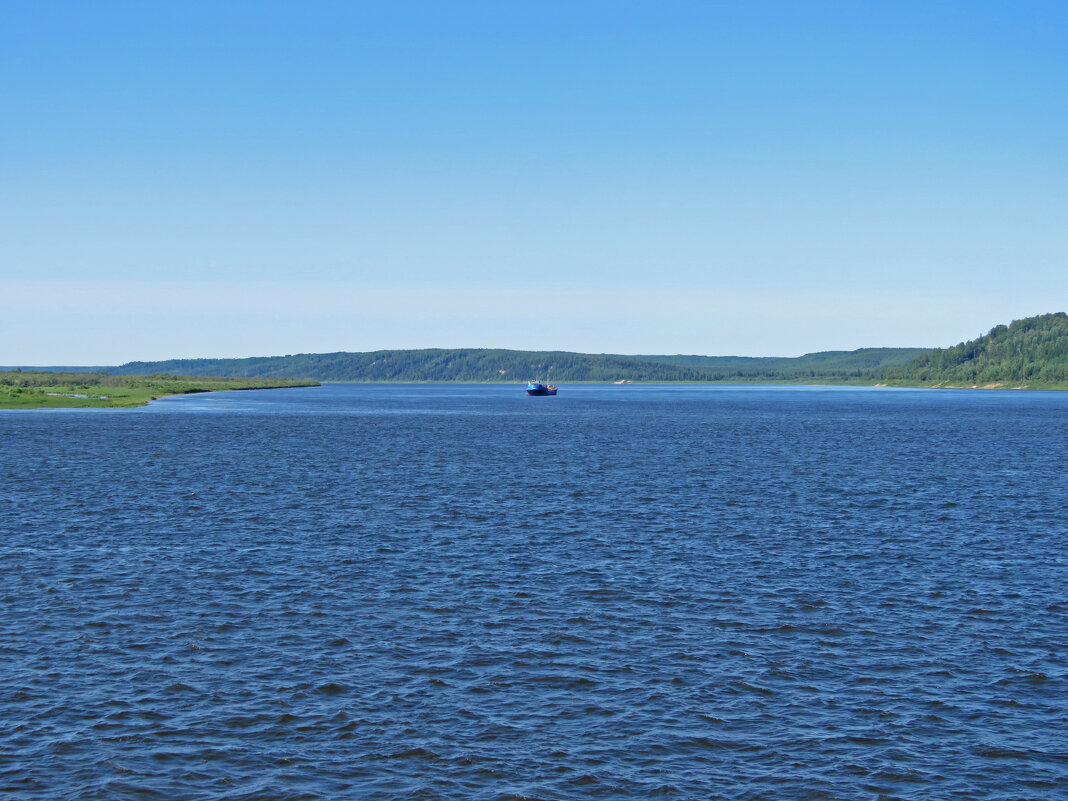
x,y
245,179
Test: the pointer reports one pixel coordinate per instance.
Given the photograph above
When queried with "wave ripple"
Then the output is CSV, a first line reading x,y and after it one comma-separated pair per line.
x,y
457,592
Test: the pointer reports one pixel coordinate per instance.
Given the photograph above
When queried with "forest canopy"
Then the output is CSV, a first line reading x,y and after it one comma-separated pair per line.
x,y
1032,352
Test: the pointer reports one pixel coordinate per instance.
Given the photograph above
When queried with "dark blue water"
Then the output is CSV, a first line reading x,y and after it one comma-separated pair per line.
x,y
392,592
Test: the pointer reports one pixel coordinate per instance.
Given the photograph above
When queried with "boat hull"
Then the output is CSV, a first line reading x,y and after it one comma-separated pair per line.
x,y
538,389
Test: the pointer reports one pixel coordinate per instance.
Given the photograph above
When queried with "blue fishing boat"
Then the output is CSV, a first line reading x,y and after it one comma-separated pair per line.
x,y
534,388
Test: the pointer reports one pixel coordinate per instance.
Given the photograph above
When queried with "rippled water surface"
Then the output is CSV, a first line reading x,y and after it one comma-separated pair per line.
x,y
457,592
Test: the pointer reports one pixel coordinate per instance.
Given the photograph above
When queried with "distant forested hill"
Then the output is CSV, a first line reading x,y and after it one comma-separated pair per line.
x,y
836,363
480,365
1029,352
458,364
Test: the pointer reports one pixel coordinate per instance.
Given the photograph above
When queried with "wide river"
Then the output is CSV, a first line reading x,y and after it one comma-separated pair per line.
x,y
460,592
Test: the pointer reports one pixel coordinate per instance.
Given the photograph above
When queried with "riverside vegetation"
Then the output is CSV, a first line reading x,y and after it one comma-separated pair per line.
x,y
34,389
482,365
1031,353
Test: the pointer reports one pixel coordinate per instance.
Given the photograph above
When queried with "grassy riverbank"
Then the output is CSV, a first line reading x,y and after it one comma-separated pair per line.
x,y
38,390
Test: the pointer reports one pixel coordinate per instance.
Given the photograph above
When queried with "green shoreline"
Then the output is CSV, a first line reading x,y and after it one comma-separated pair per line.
x,y
1031,352
38,390
737,382
141,390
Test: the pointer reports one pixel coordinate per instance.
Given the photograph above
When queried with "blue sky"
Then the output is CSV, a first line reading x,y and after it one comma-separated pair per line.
x,y
757,178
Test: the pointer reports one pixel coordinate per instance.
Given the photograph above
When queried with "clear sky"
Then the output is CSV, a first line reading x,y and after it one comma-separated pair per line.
x,y
221,178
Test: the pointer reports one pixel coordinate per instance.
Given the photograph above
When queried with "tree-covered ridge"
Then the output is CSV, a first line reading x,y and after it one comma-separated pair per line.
x,y
837,364
432,364
1029,352
1032,352
512,366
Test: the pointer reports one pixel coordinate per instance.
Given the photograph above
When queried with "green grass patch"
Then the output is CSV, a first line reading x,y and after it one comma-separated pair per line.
x,y
39,390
